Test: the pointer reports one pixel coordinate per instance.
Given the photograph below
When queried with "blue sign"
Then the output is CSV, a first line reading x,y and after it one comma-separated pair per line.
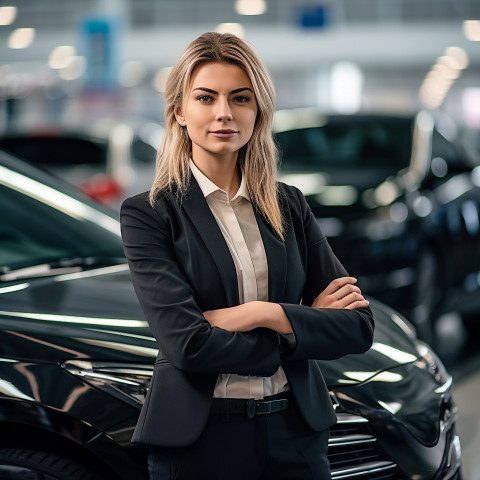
x,y
314,16
100,39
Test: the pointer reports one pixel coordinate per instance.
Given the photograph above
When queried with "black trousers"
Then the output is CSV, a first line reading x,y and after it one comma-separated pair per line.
x,y
277,446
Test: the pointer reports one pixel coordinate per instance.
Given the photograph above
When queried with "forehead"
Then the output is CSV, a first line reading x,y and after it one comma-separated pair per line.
x,y
219,76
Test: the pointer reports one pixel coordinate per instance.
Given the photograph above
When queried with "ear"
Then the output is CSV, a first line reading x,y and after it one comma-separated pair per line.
x,y
179,116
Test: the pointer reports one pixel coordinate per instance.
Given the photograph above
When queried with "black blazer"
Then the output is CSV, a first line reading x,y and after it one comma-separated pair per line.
x,y
181,267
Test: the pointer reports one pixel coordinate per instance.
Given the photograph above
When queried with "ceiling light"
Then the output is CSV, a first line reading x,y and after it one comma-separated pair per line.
x,y
250,7
445,68
346,86
471,30
433,95
450,62
61,56
459,55
21,38
442,75
7,15
430,97
234,28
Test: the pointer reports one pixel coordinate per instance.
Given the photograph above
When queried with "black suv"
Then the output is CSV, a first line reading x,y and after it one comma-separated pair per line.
x,y
400,205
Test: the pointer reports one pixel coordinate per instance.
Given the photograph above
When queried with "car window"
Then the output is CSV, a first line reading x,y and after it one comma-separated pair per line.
x,y
56,150
39,224
361,145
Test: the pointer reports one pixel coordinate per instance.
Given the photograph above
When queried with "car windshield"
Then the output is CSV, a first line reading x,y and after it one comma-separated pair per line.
x,y
40,223
342,145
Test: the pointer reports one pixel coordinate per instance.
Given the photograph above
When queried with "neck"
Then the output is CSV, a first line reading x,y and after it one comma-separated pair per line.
x,y
223,172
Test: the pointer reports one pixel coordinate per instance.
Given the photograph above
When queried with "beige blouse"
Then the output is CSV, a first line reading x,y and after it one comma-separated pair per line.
x,y
236,220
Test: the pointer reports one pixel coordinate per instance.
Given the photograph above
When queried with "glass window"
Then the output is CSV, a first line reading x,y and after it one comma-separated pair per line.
x,y
41,224
349,143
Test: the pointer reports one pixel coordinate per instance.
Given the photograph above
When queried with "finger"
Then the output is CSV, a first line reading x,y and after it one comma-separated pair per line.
x,y
347,290
351,298
339,283
359,304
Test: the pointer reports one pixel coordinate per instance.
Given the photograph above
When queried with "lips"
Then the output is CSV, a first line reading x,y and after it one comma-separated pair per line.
x,y
224,133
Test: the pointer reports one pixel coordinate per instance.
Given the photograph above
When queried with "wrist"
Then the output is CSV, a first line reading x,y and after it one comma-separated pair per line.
x,y
275,318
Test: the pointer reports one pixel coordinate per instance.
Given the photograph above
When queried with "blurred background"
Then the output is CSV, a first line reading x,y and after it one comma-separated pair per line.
x,y
97,69
115,45
384,93
66,62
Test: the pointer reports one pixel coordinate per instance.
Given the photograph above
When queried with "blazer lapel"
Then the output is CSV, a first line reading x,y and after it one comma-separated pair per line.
x,y
197,209
276,258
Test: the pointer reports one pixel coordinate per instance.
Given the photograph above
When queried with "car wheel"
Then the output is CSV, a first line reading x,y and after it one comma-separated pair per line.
x,y
33,464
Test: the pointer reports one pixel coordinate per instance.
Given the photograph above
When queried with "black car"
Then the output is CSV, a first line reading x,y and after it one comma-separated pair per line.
x,y
108,160
76,357
400,206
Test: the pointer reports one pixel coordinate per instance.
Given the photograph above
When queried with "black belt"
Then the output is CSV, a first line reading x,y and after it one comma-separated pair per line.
x,y
251,407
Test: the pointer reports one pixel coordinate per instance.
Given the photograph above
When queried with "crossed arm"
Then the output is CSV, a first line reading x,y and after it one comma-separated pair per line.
x,y
341,293
184,332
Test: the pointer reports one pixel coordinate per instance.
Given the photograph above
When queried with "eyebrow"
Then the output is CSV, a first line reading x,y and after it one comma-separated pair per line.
x,y
209,90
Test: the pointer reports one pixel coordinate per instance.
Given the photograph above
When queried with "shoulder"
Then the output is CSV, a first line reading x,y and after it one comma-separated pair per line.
x,y
138,200
292,197
289,190
141,202
301,216
139,209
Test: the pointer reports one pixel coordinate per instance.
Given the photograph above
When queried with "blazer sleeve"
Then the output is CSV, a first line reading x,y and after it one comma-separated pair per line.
x,y
324,333
168,302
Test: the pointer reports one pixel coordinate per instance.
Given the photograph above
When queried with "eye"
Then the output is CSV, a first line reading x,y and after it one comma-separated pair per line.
x,y
205,98
242,99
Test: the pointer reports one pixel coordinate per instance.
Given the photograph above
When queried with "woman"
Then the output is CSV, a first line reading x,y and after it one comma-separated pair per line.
x,y
238,284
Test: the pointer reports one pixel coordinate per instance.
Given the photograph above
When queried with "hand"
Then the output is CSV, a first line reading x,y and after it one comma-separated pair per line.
x,y
341,293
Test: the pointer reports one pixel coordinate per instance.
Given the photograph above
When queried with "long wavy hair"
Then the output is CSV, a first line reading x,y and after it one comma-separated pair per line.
x,y
257,159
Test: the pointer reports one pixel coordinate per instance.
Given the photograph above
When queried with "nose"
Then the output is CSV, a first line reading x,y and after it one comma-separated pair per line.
x,y
224,112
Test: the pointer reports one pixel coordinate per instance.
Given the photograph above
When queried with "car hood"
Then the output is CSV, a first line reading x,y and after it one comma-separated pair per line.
x,y
394,344
95,315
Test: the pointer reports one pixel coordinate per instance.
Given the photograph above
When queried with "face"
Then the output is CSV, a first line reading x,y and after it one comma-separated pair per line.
x,y
219,110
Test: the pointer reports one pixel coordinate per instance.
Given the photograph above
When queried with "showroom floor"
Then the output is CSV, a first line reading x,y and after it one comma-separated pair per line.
x,y
467,396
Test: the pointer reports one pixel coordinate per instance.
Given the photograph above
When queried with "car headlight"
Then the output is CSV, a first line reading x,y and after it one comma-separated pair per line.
x,y
128,382
435,366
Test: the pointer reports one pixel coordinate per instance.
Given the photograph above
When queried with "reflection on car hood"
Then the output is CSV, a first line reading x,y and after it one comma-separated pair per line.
x,y
394,345
95,314
90,314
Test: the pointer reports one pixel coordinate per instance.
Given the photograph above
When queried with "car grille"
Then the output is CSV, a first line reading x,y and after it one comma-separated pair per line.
x,y
354,453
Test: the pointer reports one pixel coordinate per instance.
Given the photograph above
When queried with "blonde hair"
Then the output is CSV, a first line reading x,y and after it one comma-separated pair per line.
x,y
257,159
